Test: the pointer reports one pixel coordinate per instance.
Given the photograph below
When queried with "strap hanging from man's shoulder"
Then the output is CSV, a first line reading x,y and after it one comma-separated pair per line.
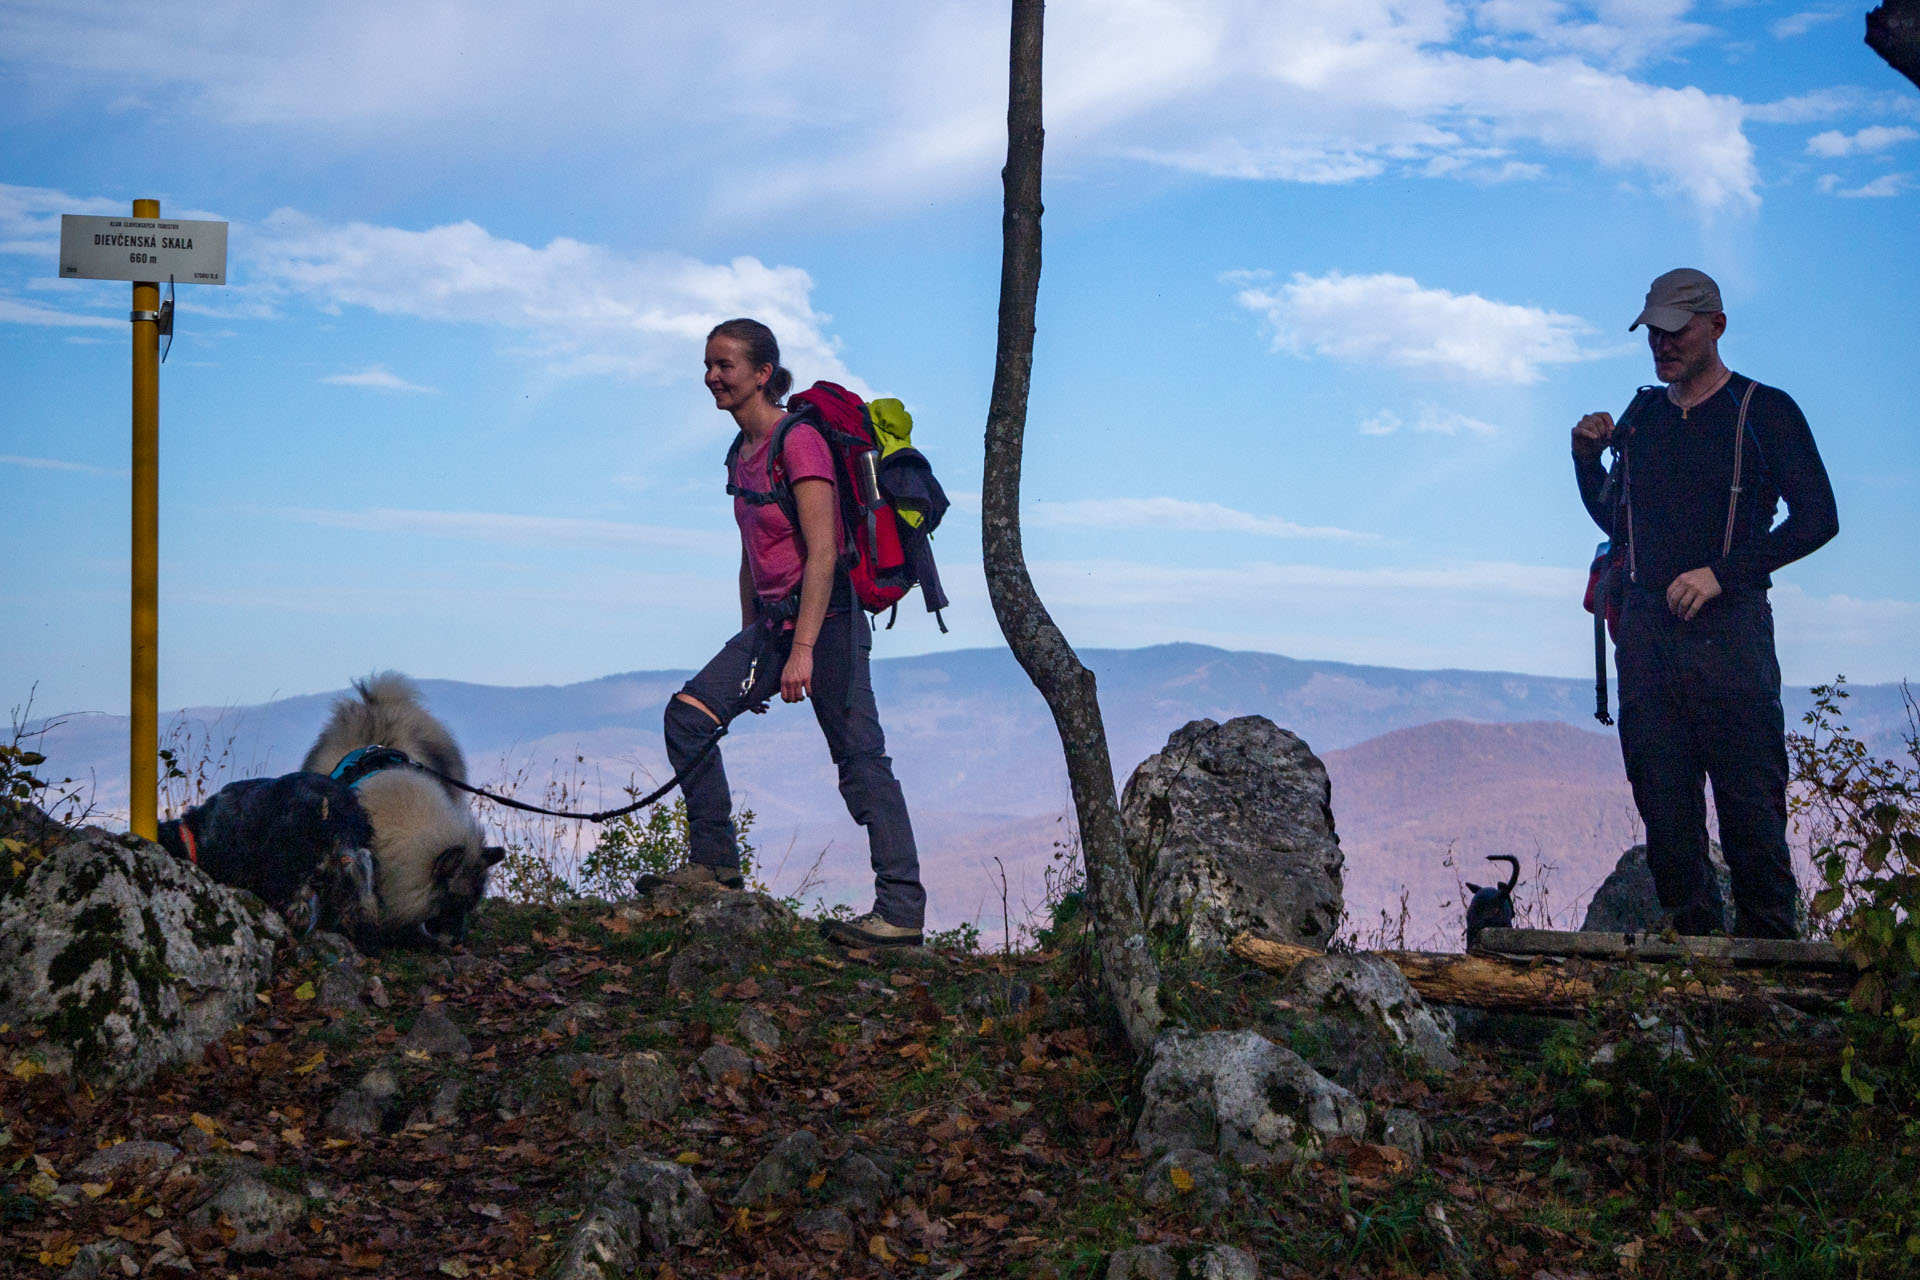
x,y
1739,441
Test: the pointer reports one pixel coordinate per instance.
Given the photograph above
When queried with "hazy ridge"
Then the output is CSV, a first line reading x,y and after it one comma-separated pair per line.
x,y
1484,762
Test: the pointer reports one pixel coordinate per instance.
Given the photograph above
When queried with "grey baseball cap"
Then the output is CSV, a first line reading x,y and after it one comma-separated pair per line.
x,y
1678,297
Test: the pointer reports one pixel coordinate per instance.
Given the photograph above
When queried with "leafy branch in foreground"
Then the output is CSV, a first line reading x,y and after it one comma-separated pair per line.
x,y
1861,813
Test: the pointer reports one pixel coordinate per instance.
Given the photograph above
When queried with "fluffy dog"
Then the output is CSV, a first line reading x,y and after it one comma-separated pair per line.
x,y
1491,906
430,857
301,843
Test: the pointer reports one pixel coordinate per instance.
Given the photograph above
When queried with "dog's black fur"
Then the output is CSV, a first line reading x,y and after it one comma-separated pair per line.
x,y
301,843
1491,906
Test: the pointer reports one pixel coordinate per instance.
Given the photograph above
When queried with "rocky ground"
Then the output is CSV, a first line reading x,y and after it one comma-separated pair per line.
x,y
672,1088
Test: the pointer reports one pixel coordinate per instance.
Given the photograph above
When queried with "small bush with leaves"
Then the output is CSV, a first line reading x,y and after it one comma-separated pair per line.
x,y
655,844
1861,814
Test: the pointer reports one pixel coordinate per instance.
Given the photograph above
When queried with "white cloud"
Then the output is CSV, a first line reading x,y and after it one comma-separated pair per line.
x,y
1877,137
580,308
15,312
30,218
1619,33
55,464
1798,24
1175,513
1310,90
1391,321
1433,420
377,378
1445,422
1829,104
497,527
1886,185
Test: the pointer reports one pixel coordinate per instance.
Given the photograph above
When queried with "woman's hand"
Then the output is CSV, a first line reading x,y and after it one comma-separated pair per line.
x,y
796,678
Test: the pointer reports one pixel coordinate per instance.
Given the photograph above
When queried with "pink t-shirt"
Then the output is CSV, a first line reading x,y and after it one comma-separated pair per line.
x,y
775,554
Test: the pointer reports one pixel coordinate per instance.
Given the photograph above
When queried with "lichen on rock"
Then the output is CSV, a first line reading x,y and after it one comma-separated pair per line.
x,y
130,959
1230,830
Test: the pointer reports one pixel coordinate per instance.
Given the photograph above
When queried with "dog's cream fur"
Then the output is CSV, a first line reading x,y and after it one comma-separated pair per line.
x,y
430,851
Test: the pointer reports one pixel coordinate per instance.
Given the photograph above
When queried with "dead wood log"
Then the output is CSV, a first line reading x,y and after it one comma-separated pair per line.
x,y
1545,984
1774,953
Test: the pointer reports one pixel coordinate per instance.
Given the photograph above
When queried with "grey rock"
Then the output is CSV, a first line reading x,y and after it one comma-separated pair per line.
x,y
759,1031
1404,1130
130,959
380,1083
1231,829
256,1210
433,1032
997,996
721,1060
857,1184
1237,1094
1363,1020
343,989
446,1103
646,1209
124,1158
672,1205
582,1013
736,919
95,1261
701,965
826,1222
327,948
782,1171
634,1088
605,1244
1224,1262
1158,1262
1207,1192
1143,1262
356,1113
1626,901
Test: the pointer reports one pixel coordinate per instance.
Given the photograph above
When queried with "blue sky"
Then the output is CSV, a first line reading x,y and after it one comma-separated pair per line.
x,y
1327,283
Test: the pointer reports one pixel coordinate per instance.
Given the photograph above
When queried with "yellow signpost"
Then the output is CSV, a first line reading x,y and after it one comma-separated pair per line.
x,y
144,250
143,760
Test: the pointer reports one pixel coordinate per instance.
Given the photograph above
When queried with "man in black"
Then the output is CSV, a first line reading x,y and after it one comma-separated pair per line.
x,y
1700,468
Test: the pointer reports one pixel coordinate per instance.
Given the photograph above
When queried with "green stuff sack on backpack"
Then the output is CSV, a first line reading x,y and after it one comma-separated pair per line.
x,y
907,481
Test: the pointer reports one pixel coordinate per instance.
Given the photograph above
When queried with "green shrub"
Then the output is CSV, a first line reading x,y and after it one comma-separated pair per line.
x,y
654,843
1862,817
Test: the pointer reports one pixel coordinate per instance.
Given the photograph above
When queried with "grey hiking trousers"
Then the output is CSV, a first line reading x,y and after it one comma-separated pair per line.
x,y
842,698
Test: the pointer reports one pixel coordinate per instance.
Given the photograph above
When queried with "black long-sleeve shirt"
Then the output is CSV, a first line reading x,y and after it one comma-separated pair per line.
x,y
1679,469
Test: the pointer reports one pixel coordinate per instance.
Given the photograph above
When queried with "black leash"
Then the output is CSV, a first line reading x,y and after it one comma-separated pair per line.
x,y
706,749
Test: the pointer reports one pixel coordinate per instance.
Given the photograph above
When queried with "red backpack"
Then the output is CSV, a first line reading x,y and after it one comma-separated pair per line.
x,y
875,560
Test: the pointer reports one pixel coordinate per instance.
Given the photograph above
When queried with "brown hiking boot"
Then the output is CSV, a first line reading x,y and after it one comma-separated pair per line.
x,y
869,930
692,876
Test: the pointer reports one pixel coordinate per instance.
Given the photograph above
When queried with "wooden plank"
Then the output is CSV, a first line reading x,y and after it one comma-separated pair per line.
x,y
1650,948
1548,983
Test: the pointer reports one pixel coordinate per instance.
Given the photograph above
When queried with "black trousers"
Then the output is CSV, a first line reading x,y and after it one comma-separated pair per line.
x,y
1700,700
843,704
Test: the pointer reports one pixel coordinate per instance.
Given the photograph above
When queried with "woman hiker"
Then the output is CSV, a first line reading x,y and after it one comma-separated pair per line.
x,y
796,611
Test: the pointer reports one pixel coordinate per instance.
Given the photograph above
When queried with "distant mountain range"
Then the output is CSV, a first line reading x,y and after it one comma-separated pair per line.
x,y
1421,762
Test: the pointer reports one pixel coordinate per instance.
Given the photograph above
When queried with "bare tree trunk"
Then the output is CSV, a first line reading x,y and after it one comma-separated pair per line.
x,y
1130,976
1893,32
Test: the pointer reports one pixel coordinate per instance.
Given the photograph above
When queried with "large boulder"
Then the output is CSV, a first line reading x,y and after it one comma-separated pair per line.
x,y
1230,829
1238,1094
1627,902
128,958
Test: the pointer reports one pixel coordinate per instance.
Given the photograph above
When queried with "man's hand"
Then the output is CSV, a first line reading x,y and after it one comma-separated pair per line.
x,y
1591,433
1689,592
